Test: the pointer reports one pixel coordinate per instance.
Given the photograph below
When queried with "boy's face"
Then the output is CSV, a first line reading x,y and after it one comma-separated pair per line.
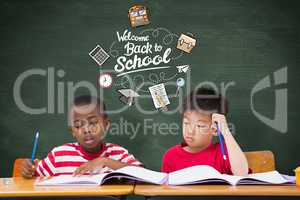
x,y
88,126
197,131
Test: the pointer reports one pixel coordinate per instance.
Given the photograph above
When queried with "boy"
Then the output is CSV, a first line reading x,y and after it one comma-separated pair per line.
x,y
200,115
90,154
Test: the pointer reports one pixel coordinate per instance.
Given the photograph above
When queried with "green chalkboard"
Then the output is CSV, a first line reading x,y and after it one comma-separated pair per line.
x,y
239,45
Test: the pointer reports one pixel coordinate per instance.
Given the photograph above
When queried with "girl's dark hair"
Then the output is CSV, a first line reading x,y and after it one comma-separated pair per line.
x,y
205,99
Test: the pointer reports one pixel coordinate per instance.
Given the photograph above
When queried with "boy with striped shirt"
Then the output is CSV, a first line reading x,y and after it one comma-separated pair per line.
x,y
89,154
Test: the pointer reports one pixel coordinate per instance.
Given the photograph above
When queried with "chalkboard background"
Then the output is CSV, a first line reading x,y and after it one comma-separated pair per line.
x,y
237,41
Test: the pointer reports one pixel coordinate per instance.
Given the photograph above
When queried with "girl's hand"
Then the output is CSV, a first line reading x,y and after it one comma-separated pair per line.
x,y
222,123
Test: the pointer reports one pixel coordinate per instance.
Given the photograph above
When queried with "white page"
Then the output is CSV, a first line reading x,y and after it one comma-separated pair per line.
x,y
233,180
143,174
291,179
71,180
130,172
268,177
194,174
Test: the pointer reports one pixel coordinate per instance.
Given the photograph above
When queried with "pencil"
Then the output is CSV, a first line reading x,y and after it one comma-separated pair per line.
x,y
35,146
221,141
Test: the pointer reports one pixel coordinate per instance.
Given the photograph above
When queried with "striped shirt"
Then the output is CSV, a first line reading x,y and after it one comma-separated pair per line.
x,y
66,158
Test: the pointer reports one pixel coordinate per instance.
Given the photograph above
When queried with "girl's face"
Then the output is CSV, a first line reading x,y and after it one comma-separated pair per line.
x,y
197,132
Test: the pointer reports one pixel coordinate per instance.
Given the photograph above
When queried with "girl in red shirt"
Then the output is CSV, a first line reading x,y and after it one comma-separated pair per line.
x,y
202,109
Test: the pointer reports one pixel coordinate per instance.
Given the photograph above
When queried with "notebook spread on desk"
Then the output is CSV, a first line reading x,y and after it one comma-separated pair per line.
x,y
192,175
130,173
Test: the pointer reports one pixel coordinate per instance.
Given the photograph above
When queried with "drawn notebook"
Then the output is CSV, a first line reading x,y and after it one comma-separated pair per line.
x,y
192,175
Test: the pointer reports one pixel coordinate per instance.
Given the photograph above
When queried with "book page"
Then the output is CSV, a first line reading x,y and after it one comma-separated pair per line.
x,y
143,174
272,177
195,174
232,179
129,172
71,180
290,179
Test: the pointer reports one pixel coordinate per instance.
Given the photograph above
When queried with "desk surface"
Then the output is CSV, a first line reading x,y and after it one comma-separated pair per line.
x,y
17,187
217,190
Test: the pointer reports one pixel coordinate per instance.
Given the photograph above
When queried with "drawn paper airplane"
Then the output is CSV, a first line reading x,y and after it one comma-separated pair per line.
x,y
183,68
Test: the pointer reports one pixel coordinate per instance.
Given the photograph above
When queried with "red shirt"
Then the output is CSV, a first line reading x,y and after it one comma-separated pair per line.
x,y
177,158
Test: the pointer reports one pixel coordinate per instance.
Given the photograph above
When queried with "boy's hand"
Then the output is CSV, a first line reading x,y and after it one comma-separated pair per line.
x,y
222,123
28,169
91,167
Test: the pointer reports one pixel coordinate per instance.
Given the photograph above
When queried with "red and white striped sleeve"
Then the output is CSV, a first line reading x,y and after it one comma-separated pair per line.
x,y
121,154
46,167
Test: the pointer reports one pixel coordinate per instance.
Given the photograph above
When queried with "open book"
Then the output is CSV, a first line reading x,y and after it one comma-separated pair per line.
x,y
192,175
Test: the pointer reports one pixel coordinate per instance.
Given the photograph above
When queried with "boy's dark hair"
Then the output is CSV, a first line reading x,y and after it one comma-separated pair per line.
x,y
205,99
87,100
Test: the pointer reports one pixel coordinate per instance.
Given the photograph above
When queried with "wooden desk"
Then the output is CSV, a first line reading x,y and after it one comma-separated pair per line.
x,y
216,190
20,187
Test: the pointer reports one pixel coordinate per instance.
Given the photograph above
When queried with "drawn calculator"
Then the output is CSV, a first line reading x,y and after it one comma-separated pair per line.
x,y
99,55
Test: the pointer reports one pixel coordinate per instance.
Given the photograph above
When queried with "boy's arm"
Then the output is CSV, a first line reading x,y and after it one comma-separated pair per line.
x,y
99,163
237,158
28,168
114,162
45,167
33,169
